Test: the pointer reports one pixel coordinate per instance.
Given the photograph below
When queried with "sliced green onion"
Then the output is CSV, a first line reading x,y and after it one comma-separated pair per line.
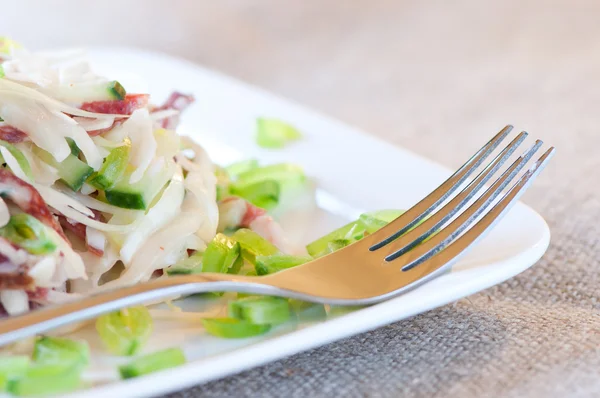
x,y
18,155
29,233
113,167
235,169
284,173
375,220
260,310
277,262
305,311
61,351
154,362
46,379
221,254
124,332
349,232
12,367
274,133
263,194
253,244
191,265
232,328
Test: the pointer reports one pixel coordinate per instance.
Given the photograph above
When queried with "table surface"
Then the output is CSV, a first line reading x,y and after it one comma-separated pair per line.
x,y
430,76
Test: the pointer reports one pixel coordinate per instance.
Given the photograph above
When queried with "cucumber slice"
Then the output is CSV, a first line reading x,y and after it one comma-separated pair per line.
x,y
113,167
72,171
154,362
138,196
112,90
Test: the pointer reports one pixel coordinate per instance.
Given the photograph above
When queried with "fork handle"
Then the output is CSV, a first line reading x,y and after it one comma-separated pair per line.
x,y
44,319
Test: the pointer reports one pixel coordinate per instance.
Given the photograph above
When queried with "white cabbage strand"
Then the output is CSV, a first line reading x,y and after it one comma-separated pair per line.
x,y
159,215
16,90
41,125
15,302
143,143
161,244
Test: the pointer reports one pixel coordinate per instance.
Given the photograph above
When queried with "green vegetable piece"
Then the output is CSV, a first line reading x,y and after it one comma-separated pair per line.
x,y
113,167
375,220
263,194
29,233
305,311
75,151
1,76
260,310
18,155
277,262
46,379
232,328
153,362
284,173
351,232
220,254
58,350
139,195
116,90
79,92
191,265
124,332
274,133
72,171
12,367
235,169
252,245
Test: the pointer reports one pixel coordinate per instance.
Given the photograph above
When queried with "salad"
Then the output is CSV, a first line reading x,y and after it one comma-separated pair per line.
x,y
98,191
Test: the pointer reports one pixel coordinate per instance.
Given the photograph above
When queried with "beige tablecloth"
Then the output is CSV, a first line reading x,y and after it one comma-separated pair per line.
x,y
434,77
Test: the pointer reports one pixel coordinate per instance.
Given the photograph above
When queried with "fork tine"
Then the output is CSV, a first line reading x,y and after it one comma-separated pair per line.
x,y
453,252
453,230
420,233
427,205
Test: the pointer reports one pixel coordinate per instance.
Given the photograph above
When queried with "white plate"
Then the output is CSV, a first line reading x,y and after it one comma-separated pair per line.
x,y
354,173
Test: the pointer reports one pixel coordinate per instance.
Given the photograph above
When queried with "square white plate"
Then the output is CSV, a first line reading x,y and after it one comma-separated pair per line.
x,y
354,173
